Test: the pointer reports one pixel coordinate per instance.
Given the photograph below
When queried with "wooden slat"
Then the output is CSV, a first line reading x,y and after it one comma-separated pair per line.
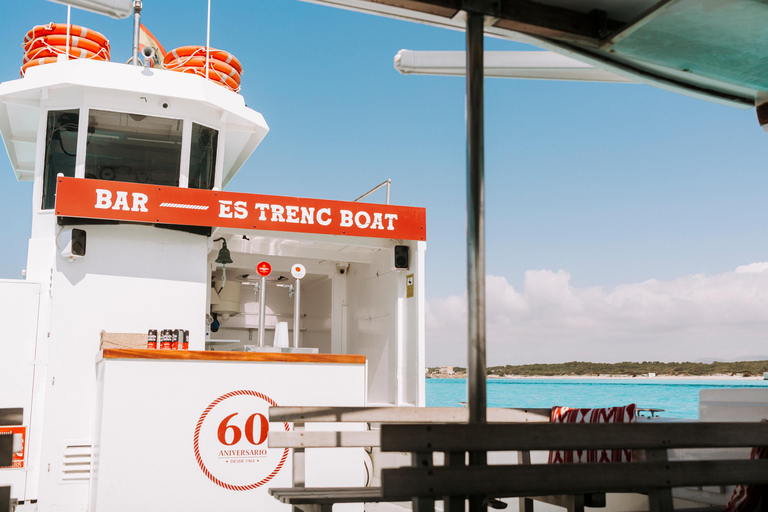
x,y
323,439
511,436
217,355
547,479
401,414
322,495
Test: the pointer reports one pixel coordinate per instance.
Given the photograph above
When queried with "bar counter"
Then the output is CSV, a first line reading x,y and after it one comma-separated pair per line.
x,y
220,355
190,428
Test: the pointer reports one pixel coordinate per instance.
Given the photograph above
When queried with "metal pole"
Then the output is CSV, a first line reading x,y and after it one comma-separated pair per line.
x,y
475,220
476,395
69,27
136,28
208,40
296,314
262,308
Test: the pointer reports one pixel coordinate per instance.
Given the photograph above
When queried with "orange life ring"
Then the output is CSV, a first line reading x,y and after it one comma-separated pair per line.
x,y
199,62
37,62
61,28
59,40
74,53
196,51
213,75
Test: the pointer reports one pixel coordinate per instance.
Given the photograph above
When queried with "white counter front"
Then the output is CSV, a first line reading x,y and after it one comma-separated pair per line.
x,y
179,430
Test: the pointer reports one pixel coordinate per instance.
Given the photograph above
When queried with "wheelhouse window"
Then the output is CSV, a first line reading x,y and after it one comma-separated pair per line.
x,y
133,148
202,156
60,151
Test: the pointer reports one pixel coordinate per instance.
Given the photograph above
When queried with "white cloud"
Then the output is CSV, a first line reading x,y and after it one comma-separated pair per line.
x,y
722,316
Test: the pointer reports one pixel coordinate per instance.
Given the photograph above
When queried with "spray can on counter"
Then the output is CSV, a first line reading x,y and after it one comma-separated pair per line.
x,y
166,337
185,344
152,339
175,339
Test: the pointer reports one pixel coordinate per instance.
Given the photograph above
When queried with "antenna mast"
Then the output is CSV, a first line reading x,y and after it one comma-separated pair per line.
x,y
136,28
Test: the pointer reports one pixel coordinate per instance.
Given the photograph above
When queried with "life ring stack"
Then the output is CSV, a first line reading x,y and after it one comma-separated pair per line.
x,y
44,43
223,68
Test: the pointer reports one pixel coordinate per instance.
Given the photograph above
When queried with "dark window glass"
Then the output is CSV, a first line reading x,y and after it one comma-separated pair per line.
x,y
133,148
202,157
60,151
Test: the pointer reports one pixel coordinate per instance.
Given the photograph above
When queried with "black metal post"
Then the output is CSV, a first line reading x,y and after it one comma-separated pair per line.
x,y
475,220
476,394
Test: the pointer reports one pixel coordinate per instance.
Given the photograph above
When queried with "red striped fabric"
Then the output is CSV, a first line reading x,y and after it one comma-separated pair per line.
x,y
624,414
749,498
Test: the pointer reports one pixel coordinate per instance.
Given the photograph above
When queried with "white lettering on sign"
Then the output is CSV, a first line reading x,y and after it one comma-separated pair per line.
x,y
103,198
225,209
277,213
104,201
292,213
241,210
346,218
376,224
390,217
262,208
121,203
320,219
139,202
362,224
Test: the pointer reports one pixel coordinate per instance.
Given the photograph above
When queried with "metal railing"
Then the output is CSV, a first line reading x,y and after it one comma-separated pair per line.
x,y
374,189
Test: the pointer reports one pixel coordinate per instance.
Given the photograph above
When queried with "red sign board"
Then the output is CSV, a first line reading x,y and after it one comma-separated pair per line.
x,y
18,457
135,202
264,268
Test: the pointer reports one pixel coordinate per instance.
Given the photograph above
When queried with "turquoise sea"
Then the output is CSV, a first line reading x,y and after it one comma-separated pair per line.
x,y
678,398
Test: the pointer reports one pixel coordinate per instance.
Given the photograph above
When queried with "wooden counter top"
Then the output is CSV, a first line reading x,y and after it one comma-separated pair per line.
x,y
210,355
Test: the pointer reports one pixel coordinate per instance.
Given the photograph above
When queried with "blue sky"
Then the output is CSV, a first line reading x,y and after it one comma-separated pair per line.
x,y
592,189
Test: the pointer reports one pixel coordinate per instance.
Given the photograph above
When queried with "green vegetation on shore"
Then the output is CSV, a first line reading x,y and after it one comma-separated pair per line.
x,y
582,368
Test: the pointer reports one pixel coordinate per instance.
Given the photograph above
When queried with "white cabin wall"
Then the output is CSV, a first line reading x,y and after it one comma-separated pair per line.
x,y
131,279
316,308
412,311
372,323
387,326
20,306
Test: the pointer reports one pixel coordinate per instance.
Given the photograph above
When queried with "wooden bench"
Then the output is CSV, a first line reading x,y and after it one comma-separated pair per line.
x,y
322,499
455,481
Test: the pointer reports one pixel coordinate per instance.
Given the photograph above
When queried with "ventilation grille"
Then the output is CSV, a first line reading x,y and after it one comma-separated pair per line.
x,y
76,466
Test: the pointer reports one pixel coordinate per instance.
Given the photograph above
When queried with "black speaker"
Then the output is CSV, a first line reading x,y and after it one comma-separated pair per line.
x,y
401,256
78,242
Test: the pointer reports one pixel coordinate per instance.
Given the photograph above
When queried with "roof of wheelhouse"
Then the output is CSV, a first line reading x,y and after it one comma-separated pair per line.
x,y
124,88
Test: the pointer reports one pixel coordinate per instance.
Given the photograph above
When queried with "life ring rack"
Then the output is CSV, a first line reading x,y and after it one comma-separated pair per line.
x,y
45,43
61,40
223,68
213,75
216,64
61,29
198,51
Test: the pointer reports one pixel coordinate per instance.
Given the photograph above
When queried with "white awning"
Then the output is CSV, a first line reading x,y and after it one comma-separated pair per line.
x,y
709,49
519,64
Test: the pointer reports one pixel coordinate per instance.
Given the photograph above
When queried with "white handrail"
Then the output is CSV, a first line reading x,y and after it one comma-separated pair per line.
x,y
374,189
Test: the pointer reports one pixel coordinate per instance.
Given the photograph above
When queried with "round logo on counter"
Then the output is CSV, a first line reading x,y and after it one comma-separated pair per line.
x,y
230,441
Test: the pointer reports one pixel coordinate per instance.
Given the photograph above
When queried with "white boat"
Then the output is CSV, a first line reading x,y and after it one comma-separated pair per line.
x,y
133,242
322,302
